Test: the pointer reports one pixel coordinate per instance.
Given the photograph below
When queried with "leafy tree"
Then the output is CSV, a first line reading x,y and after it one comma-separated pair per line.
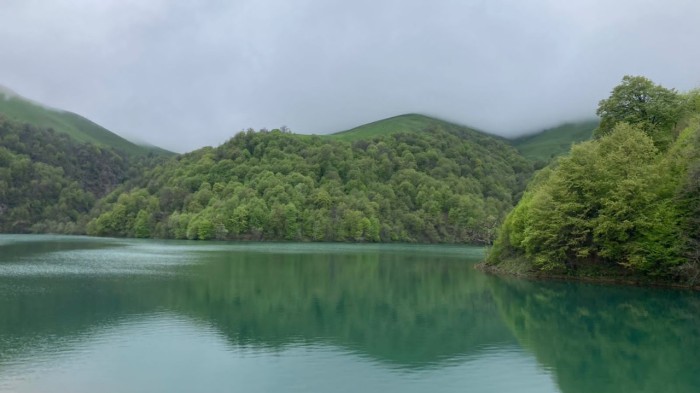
x,y
141,225
637,100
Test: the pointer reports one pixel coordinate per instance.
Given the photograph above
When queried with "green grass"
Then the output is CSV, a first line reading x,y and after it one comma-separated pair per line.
x,y
78,127
403,123
545,145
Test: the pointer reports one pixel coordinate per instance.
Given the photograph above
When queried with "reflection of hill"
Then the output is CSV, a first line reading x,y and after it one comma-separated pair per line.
x,y
607,339
53,311
395,307
392,306
21,248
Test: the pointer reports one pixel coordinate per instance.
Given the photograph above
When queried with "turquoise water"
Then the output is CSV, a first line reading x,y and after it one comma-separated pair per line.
x,y
86,315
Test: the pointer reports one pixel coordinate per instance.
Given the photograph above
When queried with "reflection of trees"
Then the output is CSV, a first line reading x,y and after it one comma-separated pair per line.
x,y
54,310
24,249
396,307
399,308
607,339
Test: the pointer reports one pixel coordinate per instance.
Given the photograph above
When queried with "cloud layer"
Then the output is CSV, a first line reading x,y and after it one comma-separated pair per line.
x,y
183,74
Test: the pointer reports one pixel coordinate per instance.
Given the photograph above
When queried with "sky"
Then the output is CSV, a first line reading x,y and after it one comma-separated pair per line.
x,y
184,74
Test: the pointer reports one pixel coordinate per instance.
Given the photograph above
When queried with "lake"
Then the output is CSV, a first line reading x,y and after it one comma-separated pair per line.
x,y
81,314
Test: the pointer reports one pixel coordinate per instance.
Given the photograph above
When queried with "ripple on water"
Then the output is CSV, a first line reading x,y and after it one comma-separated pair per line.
x,y
116,261
169,352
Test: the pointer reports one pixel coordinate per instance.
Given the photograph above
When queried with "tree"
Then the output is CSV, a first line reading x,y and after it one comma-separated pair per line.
x,y
638,101
141,225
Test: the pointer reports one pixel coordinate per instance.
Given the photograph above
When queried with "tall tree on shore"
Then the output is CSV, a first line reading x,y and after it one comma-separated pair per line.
x,y
638,101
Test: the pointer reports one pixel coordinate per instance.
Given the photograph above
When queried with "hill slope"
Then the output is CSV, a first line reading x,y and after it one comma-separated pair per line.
x,y
443,185
403,123
20,109
544,145
48,181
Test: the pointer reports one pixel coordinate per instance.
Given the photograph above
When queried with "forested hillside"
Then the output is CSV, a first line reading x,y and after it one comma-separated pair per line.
x,y
438,185
624,204
49,181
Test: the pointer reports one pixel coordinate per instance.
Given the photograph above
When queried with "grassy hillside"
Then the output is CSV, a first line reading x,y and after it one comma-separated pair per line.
x,y
556,141
404,123
17,108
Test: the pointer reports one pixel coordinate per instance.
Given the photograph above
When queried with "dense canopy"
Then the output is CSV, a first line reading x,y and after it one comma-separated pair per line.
x,y
440,185
626,202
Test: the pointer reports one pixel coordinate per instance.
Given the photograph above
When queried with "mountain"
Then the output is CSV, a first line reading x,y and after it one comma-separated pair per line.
x,y
544,145
22,110
411,122
54,166
539,147
444,183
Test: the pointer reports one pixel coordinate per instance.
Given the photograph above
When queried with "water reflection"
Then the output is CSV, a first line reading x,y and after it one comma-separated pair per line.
x,y
378,318
607,338
398,307
403,306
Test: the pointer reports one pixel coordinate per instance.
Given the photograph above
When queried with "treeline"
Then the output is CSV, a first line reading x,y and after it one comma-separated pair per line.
x,y
625,203
49,182
434,186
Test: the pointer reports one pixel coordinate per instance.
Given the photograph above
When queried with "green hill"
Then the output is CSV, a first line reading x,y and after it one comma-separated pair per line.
x,y
48,181
55,165
403,123
555,141
540,146
17,108
446,184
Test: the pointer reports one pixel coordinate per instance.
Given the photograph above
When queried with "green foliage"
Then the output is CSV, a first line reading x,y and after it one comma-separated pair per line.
x,y
618,202
637,100
442,185
49,182
141,225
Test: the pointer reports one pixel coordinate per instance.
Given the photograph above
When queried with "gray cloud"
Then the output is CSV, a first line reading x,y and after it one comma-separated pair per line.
x,y
183,74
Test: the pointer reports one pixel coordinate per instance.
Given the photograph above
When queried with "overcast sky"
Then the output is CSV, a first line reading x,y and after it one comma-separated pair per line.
x,y
184,74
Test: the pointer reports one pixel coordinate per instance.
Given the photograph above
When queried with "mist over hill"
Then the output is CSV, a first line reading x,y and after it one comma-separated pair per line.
x,y
409,178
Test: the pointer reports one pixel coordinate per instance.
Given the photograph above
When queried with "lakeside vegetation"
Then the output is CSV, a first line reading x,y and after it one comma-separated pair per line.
x,y
446,185
625,204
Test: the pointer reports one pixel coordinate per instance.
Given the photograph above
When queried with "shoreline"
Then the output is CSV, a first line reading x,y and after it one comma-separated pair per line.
x,y
636,281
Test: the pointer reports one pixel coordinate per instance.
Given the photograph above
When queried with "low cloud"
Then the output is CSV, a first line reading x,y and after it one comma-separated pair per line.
x,y
186,74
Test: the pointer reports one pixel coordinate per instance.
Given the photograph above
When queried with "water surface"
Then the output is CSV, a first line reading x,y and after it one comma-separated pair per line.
x,y
85,315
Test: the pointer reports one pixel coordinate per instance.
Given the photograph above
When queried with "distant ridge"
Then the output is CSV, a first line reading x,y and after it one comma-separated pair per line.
x,y
15,107
411,122
554,141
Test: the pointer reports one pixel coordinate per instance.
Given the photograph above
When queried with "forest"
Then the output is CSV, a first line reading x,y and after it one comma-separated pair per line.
x,y
625,204
49,182
442,185
433,182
